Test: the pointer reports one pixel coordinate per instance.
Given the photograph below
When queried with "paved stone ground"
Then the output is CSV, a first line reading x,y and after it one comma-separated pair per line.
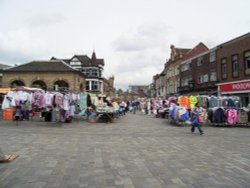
x,y
138,151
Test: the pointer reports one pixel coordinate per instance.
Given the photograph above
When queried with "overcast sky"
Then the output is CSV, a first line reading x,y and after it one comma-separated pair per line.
x,y
132,36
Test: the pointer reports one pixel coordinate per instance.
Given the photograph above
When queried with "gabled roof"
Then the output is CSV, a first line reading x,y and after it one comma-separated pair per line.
x,y
43,66
2,66
181,51
65,60
87,62
198,49
84,59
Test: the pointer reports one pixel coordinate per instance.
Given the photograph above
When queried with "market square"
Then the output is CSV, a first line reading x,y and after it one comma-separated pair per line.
x,y
136,151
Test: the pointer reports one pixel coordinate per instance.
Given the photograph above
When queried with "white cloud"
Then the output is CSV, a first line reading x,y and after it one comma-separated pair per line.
x,y
20,45
141,54
45,19
146,36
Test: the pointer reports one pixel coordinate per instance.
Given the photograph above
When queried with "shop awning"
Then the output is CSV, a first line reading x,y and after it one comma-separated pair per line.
x,y
234,87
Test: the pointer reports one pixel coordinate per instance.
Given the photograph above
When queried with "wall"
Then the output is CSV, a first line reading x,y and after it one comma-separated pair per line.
x,y
73,79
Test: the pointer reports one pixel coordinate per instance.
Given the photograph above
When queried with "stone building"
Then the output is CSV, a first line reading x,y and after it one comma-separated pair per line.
x,y
171,70
48,75
79,73
108,86
91,67
159,85
2,67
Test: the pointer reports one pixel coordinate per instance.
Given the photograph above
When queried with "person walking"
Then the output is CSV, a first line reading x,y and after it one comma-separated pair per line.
x,y
195,120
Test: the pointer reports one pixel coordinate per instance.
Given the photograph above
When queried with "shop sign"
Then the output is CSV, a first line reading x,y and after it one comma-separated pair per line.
x,y
240,86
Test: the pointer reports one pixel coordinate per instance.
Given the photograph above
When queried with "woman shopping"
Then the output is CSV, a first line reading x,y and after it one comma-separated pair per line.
x,y
195,120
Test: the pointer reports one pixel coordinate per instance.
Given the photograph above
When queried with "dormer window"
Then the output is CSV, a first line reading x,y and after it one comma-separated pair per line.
x,y
75,63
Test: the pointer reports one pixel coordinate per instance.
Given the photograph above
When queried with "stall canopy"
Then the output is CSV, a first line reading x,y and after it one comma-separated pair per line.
x,y
5,90
22,88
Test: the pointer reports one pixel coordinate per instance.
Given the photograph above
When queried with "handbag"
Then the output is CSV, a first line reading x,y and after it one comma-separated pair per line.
x,y
195,121
200,119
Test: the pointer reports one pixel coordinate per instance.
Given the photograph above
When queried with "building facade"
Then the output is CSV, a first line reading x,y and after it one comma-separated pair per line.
x,y
140,91
178,72
160,85
222,70
91,67
233,68
52,75
108,87
2,67
172,78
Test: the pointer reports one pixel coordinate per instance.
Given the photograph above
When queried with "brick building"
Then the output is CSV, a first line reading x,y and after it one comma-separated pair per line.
x,y
179,75
233,68
222,70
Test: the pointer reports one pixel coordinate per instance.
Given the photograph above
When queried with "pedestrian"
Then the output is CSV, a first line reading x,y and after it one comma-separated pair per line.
x,y
195,120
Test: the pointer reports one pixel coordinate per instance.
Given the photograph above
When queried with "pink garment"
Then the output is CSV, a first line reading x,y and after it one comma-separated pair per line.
x,y
232,116
59,100
38,100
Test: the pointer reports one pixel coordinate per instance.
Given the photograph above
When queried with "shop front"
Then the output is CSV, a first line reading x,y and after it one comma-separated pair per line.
x,y
237,88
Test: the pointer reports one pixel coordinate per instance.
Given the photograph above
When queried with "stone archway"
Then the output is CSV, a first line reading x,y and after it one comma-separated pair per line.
x,y
16,83
61,85
39,84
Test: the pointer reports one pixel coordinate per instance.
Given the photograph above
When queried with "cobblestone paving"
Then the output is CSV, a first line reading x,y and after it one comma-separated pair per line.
x,y
138,151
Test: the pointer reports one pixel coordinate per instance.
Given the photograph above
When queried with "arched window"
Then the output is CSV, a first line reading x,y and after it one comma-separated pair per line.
x,y
39,84
17,83
60,85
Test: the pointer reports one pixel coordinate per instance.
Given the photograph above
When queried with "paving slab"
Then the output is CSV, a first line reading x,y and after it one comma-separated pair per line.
x,y
135,152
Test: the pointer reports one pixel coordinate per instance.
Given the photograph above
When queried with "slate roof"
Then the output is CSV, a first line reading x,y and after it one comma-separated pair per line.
x,y
65,60
2,66
87,62
43,66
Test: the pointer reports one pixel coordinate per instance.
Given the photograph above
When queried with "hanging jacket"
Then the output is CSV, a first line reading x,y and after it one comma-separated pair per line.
x,y
219,116
242,116
232,116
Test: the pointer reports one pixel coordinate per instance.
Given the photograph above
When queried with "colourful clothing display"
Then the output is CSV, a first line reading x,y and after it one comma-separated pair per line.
x,y
193,101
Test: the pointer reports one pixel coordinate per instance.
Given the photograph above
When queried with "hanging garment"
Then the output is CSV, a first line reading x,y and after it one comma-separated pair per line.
x,y
6,102
38,100
66,102
242,116
48,99
173,112
193,101
184,102
82,101
212,102
232,116
219,116
230,103
59,100
183,114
